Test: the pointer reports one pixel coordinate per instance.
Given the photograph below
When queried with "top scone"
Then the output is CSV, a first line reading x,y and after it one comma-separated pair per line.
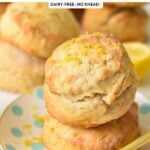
x,y
36,28
89,81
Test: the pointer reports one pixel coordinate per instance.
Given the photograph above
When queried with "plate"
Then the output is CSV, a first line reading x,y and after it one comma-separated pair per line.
x,y
22,121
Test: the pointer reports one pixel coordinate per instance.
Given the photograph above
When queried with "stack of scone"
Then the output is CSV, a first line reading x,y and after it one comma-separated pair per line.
x,y
126,21
29,34
90,87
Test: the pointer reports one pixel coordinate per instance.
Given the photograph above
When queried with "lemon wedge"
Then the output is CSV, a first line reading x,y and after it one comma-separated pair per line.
x,y
139,54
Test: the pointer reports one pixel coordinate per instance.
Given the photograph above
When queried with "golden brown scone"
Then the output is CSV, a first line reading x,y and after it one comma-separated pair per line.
x,y
126,4
89,81
36,28
110,136
19,71
126,24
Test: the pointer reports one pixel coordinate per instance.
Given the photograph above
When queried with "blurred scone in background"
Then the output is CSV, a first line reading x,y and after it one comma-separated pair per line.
x,y
31,32
125,23
19,72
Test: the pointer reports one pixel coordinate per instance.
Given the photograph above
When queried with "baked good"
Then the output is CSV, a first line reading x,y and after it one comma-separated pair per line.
x,y
89,81
126,24
126,4
19,71
110,136
37,29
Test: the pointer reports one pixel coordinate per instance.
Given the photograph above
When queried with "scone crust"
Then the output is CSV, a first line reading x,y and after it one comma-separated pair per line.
x,y
39,32
89,81
19,71
123,23
112,135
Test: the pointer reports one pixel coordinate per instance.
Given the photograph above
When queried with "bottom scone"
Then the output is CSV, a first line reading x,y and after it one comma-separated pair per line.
x,y
19,71
110,136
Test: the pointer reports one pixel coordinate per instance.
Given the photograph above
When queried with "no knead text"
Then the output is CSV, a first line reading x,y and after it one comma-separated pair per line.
x,y
75,4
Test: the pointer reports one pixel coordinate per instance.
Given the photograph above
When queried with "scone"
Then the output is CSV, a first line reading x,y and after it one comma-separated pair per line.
x,y
89,81
110,136
19,71
126,24
36,28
